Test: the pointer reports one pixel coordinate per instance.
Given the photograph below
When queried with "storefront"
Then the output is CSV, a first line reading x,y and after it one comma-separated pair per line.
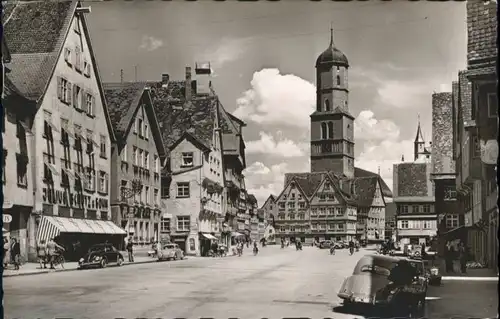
x,y
206,241
16,225
181,240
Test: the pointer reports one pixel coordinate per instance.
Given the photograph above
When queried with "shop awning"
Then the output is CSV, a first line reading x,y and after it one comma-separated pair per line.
x,y
209,236
236,234
52,226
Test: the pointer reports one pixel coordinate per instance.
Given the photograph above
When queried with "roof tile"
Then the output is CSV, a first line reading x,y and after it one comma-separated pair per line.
x,y
481,31
411,179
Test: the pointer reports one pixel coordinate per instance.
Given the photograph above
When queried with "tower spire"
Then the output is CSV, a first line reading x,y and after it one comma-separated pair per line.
x,y
331,34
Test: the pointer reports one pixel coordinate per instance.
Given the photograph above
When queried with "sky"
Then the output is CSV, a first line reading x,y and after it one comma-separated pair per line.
x,y
263,55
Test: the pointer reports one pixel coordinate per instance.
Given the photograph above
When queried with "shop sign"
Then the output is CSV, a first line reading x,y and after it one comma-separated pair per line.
x,y
6,218
7,204
76,200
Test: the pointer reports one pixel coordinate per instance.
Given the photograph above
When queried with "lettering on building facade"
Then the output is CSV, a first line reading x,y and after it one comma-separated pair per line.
x,y
75,200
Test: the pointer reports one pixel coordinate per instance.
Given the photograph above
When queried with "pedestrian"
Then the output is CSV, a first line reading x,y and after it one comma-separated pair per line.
x,y
462,256
130,250
41,251
448,257
422,251
15,252
6,247
52,253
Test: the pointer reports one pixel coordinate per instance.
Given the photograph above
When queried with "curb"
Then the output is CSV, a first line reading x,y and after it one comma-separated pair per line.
x,y
70,269
464,278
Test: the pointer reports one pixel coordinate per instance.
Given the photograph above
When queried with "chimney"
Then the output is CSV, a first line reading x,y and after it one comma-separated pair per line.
x,y
187,91
164,80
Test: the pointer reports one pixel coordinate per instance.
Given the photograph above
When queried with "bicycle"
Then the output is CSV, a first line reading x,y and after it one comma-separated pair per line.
x,y
58,260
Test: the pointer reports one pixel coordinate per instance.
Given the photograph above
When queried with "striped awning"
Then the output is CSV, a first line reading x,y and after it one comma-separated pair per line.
x,y
52,226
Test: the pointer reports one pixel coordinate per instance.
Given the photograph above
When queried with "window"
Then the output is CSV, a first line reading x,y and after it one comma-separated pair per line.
x,y
451,220
183,189
404,224
416,208
139,124
123,188
146,131
330,130
146,195
476,146
77,97
124,153
327,105
90,101
427,208
165,189
165,225
136,126
492,105
187,159
64,90
341,226
302,205
450,193
78,59
156,164
90,179
292,228
22,169
301,216
146,160
291,216
281,205
155,196
281,216
141,158
183,223
103,146
67,55
427,224
134,154
291,205
103,187
403,209
338,79
331,211
324,133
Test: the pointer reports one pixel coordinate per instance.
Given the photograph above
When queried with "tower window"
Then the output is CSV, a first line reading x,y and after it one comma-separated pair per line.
x,y
330,129
324,135
327,105
338,80
338,68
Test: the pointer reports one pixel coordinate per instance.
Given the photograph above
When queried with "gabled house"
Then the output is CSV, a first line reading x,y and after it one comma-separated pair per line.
x,y
53,65
193,122
371,209
137,158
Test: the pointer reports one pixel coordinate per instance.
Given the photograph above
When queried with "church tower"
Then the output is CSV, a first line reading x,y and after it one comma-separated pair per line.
x,y
419,150
332,126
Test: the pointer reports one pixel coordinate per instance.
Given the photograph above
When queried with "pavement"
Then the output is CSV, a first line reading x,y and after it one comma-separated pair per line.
x,y
276,283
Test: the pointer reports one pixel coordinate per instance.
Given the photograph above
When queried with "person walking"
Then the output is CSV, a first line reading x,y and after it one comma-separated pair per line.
x,y
462,257
448,257
130,250
41,251
6,247
15,252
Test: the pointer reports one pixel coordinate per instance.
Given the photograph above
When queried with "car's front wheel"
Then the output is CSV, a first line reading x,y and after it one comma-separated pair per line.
x,y
120,261
103,263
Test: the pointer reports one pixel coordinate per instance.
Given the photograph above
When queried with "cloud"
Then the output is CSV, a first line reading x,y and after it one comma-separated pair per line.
x,y
226,50
384,155
277,99
267,145
262,181
367,127
150,43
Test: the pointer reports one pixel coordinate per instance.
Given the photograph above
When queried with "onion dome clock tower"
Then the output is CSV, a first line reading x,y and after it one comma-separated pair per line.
x,y
332,126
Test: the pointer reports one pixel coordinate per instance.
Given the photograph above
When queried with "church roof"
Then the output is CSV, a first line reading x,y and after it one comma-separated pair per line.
x,y
332,55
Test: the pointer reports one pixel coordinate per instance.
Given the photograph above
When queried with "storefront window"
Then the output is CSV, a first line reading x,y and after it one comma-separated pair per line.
x,y
192,246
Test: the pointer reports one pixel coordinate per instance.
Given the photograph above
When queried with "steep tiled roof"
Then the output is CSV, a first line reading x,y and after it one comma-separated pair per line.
x,y
359,172
365,190
442,134
481,31
307,181
465,96
411,179
122,100
35,32
176,115
252,199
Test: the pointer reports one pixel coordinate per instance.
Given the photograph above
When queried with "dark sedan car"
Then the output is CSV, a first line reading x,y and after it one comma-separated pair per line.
x,y
326,244
100,256
372,284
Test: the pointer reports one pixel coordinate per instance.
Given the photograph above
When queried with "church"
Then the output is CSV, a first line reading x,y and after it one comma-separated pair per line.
x,y
335,200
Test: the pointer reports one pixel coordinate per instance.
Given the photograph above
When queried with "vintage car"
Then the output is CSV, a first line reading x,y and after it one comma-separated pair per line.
x,y
370,284
325,244
101,255
170,252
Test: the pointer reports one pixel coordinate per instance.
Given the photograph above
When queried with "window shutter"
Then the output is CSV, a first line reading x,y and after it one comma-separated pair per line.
x,y
59,87
69,94
83,104
93,105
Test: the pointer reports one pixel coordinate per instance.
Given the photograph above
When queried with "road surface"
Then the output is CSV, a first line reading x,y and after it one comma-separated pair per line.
x,y
275,284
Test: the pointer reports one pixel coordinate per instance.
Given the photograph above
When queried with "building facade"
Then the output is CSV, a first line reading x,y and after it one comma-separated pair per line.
x,y
390,221
72,135
136,158
414,197
325,203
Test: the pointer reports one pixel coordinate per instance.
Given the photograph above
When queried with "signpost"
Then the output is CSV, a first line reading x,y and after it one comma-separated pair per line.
x,y
7,218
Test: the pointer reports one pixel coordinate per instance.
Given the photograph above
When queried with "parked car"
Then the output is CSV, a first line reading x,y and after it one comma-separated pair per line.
x,y
339,245
370,284
101,255
170,252
325,244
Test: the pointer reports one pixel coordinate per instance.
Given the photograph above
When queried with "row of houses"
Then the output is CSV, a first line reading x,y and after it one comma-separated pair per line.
x,y
87,161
